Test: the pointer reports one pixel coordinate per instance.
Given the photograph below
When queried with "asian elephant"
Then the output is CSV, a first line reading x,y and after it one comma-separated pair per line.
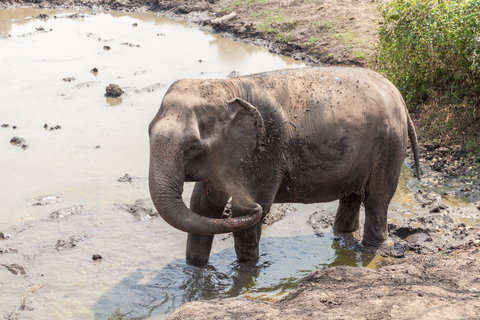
x,y
295,135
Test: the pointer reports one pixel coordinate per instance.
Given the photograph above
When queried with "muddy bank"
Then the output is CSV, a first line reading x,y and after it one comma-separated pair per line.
x,y
318,32
417,287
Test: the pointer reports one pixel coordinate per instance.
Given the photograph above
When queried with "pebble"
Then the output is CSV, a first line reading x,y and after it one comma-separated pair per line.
x,y
113,90
97,257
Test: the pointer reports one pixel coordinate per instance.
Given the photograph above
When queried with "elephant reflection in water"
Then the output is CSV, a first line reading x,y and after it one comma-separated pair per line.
x,y
283,263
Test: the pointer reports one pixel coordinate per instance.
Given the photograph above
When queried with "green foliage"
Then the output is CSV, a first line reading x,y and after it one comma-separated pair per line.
x,y
431,46
359,55
313,40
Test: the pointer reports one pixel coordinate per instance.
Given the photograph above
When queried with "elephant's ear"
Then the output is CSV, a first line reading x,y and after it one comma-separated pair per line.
x,y
245,131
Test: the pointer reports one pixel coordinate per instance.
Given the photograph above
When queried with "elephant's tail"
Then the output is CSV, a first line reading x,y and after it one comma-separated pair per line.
x,y
413,140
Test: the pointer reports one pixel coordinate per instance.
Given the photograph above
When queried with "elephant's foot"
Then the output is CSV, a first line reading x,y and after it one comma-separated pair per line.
x,y
250,255
375,242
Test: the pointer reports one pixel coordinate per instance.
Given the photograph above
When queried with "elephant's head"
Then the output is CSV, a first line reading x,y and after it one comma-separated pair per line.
x,y
201,131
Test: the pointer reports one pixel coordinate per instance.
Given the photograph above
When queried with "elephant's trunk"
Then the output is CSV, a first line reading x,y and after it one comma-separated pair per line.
x,y
166,181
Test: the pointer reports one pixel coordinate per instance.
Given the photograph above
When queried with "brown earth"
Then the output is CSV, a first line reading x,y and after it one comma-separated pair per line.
x,y
437,284
318,31
417,287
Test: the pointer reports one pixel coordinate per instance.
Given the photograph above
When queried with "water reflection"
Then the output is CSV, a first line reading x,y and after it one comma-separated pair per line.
x,y
284,262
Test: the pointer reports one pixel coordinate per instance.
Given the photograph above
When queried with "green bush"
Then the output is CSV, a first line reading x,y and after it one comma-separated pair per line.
x,y
430,47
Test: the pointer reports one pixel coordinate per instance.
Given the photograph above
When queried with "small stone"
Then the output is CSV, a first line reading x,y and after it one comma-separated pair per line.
x,y
128,178
233,74
135,24
106,48
97,147
94,70
113,90
2,236
96,257
5,125
17,141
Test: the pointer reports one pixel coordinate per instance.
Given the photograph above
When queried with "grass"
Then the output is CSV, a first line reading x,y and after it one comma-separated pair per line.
x,y
267,18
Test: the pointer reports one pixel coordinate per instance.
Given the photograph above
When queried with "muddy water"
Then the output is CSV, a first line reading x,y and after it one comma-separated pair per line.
x,y
80,143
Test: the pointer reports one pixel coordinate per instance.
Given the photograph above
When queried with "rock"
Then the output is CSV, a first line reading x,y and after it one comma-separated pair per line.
x,y
2,236
42,16
128,178
426,199
69,243
62,213
320,221
227,17
131,45
5,125
106,48
96,257
113,90
94,71
234,74
17,141
69,79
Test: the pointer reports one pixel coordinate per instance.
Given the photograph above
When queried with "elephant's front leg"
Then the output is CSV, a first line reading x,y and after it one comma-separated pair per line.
x,y
247,241
207,201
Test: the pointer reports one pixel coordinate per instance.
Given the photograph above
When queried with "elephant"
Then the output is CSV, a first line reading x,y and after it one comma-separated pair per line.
x,y
307,135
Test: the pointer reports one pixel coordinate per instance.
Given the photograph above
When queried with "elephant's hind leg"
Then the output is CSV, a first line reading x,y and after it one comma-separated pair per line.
x,y
206,201
348,214
375,231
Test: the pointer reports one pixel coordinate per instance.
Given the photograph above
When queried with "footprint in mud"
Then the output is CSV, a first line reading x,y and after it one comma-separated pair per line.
x,y
142,209
15,269
49,199
86,84
62,213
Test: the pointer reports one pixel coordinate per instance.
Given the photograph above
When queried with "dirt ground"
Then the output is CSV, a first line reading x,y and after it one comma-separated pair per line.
x,y
417,287
442,281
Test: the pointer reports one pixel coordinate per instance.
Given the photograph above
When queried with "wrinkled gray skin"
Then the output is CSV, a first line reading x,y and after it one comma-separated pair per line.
x,y
296,135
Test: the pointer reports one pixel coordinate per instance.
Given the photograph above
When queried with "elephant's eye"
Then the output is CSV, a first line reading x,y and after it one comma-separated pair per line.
x,y
195,150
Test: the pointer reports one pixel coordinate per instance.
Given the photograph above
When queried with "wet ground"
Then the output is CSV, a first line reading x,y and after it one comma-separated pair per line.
x,y
77,242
